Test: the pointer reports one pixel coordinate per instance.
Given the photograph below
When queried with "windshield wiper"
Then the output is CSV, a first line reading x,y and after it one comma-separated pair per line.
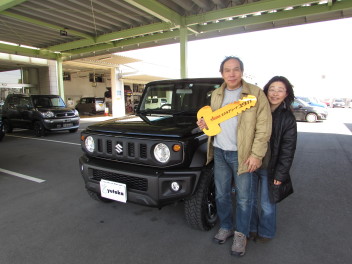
x,y
186,112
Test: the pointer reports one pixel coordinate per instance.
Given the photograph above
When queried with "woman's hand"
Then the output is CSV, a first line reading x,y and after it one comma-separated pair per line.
x,y
276,182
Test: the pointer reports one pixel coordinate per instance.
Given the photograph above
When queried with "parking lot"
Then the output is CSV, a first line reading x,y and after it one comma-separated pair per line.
x,y
47,216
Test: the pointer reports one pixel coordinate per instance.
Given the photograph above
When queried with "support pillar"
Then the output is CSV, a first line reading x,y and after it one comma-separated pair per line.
x,y
183,51
60,79
117,93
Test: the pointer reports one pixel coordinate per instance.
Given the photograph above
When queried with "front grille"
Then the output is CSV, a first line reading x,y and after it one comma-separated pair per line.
x,y
132,150
108,146
126,149
143,151
63,115
131,182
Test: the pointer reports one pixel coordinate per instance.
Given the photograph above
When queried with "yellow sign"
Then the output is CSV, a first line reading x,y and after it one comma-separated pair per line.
x,y
213,119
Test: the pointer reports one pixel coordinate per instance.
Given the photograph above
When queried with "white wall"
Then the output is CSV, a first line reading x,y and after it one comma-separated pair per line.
x,y
79,87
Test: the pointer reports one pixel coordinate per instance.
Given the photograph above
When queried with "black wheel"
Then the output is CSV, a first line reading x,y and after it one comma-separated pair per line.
x,y
2,132
7,126
311,118
97,197
200,209
73,130
39,129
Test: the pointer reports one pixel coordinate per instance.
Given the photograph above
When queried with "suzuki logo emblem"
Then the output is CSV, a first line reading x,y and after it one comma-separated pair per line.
x,y
118,148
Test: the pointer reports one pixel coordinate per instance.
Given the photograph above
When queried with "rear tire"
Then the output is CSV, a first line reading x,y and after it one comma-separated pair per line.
x,y
97,197
39,129
200,209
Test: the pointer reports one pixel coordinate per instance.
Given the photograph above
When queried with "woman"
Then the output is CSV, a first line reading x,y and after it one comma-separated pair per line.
x,y
272,181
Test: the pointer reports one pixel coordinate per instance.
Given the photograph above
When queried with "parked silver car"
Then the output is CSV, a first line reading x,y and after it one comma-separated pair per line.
x,y
91,105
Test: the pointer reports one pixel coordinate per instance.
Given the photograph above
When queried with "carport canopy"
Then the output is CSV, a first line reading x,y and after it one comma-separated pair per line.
x,y
74,30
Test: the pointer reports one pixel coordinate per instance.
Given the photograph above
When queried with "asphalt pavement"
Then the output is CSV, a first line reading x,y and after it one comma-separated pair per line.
x,y
46,216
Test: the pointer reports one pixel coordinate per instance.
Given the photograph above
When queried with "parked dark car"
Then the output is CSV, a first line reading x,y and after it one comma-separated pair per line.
x,y
91,105
42,113
306,112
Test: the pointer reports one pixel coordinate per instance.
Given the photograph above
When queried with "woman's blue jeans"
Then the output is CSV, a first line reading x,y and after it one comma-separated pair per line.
x,y
263,220
225,171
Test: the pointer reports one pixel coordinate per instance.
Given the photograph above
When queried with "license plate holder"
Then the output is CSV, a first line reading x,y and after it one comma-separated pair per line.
x,y
113,190
67,124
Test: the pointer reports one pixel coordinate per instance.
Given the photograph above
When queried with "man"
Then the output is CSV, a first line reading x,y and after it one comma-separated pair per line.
x,y
237,152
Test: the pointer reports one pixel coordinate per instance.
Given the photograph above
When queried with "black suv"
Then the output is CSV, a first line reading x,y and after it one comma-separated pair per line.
x,y
158,156
41,113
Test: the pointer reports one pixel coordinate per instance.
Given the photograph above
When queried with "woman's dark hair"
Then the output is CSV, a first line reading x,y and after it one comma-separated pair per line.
x,y
289,89
231,58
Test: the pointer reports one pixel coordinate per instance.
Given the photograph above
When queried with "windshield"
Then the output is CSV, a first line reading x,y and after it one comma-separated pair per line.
x,y
46,102
177,97
298,102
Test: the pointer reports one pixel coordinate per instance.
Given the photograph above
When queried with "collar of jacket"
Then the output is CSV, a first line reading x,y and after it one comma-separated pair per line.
x,y
281,107
245,89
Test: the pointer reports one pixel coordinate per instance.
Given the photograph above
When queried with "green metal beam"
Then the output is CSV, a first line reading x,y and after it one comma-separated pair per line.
x,y
127,42
272,17
44,54
129,33
235,11
45,25
183,52
6,4
158,10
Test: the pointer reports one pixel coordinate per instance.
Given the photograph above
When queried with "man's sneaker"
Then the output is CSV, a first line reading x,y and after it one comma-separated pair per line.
x,y
262,239
239,244
222,235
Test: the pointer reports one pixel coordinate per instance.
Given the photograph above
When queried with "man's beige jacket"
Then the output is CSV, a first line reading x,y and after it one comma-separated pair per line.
x,y
254,125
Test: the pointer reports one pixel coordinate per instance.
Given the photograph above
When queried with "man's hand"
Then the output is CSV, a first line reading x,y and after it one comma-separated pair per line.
x,y
253,163
201,124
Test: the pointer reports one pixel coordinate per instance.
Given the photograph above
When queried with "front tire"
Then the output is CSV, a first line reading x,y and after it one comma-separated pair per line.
x,y
73,130
200,209
7,126
39,129
311,118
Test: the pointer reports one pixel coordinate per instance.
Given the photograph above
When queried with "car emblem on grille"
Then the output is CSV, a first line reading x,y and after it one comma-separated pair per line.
x,y
118,148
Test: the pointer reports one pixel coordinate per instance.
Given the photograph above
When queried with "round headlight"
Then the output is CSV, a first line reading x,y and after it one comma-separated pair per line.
x,y
89,143
162,153
48,114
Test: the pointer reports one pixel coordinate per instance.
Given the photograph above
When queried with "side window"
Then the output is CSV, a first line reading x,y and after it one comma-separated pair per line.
x,y
295,104
24,102
15,101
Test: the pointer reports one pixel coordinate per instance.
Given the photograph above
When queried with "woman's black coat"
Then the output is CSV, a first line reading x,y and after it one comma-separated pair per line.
x,y
282,149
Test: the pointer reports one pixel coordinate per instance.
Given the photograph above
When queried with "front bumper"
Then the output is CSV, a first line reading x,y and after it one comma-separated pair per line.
x,y
61,124
322,116
145,185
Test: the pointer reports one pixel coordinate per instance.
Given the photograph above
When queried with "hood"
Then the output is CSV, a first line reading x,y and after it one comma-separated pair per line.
x,y
156,125
55,109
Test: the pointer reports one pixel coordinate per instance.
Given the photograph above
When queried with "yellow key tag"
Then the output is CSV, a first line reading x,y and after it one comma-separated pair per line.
x,y
213,119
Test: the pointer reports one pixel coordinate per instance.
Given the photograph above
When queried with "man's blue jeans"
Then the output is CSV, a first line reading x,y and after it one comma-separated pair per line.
x,y
263,220
225,170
